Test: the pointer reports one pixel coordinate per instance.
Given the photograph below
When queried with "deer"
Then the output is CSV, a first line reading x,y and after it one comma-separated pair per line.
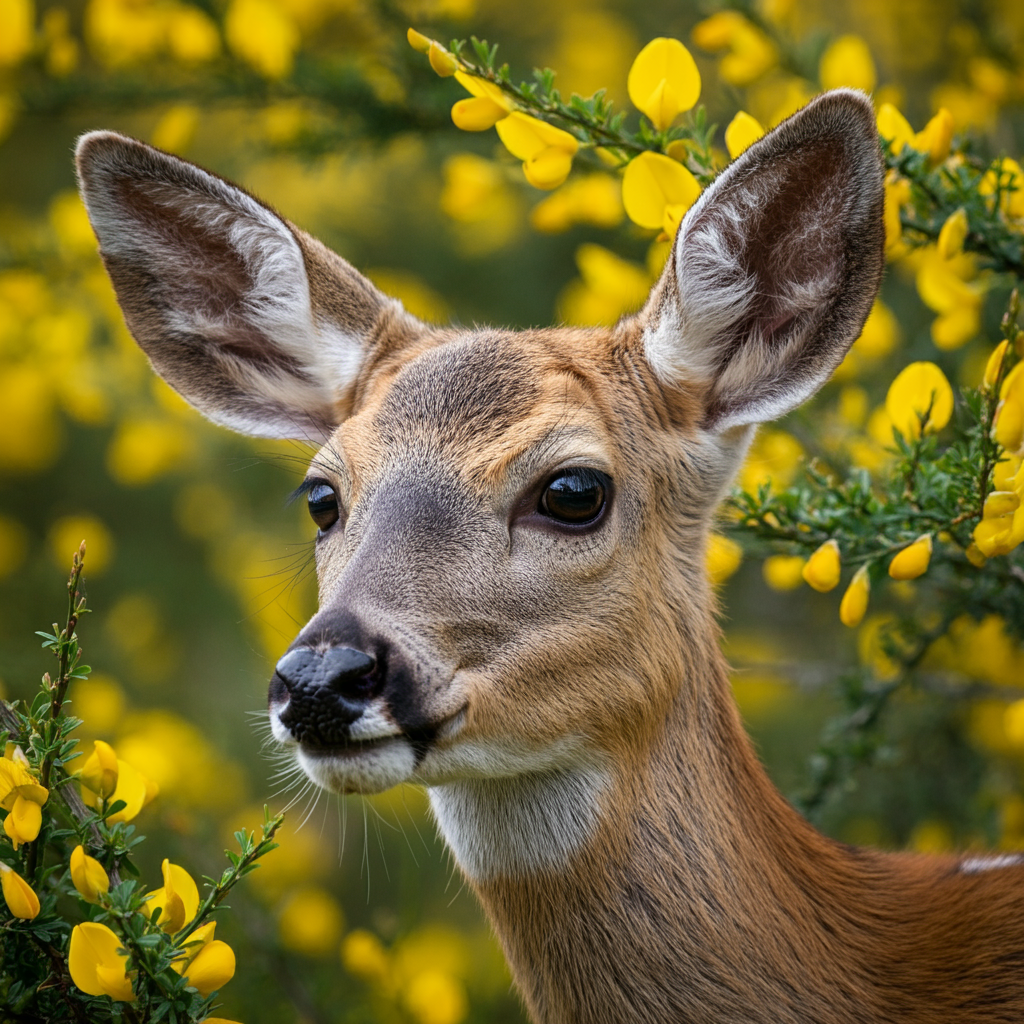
x,y
514,610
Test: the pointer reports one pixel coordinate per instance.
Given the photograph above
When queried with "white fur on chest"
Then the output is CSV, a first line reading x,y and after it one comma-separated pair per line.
x,y
521,823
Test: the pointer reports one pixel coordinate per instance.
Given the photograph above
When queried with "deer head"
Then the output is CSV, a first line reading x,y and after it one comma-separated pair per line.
x,y
512,525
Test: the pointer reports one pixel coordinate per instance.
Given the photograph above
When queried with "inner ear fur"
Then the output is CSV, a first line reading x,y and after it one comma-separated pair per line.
x,y
775,267
253,321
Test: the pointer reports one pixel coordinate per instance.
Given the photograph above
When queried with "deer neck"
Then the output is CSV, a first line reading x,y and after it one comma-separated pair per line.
x,y
666,888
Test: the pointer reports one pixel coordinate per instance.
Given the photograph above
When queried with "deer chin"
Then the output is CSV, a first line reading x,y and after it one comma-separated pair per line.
x,y
363,766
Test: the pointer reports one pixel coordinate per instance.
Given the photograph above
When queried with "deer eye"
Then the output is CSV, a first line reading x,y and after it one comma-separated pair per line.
x,y
575,496
323,505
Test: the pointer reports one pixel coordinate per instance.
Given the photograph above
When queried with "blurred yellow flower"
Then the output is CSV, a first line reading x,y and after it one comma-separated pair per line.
x,y
100,702
847,63
192,35
96,963
608,288
17,31
310,922
742,132
71,225
88,875
894,127
143,449
936,136
953,235
1013,723
489,104
913,560
546,151
263,35
174,131
897,195
994,365
724,556
877,339
19,896
476,193
1006,178
418,297
657,191
783,572
855,601
364,955
30,433
774,458
751,52
435,997
919,389
589,199
823,567
663,81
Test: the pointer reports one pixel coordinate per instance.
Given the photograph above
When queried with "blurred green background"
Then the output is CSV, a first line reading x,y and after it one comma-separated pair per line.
x,y
200,574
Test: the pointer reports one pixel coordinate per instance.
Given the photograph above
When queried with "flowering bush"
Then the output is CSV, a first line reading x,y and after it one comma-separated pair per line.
x,y
81,940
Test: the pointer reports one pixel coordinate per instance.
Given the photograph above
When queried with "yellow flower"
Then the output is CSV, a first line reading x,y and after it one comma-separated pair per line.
x,y
23,822
913,560
488,105
751,52
847,62
822,568
96,964
88,875
99,773
177,900
855,601
999,535
783,572
975,555
435,997
897,195
21,901
441,60
663,81
743,132
918,388
953,234
418,41
546,151
212,967
657,191
894,127
607,288
311,922
936,136
1000,503
1007,177
723,558
1008,429
591,199
17,21
994,365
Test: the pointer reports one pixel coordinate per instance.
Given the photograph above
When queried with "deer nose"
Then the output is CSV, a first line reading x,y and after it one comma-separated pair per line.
x,y
326,691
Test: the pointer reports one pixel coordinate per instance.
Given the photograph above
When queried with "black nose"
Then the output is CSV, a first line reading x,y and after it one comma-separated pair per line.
x,y
326,692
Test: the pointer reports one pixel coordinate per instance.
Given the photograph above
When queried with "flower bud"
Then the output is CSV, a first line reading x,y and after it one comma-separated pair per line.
x,y
822,568
212,967
743,131
88,875
855,600
994,365
913,560
953,234
21,901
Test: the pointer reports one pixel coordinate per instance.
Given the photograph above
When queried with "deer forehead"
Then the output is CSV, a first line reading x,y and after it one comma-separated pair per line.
x,y
494,407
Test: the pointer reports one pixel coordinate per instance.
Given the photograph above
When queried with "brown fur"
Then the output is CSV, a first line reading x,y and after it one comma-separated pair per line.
x,y
570,680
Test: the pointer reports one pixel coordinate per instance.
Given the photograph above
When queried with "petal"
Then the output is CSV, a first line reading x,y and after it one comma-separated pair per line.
x,y
663,81
743,132
481,87
953,234
477,114
823,567
847,63
28,817
855,600
892,125
178,880
21,900
443,63
526,137
650,183
212,968
418,41
93,946
549,168
915,388
913,560
115,982
88,875
99,773
131,788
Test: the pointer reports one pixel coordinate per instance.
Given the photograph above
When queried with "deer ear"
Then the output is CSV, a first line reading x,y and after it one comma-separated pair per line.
x,y
775,267
254,322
